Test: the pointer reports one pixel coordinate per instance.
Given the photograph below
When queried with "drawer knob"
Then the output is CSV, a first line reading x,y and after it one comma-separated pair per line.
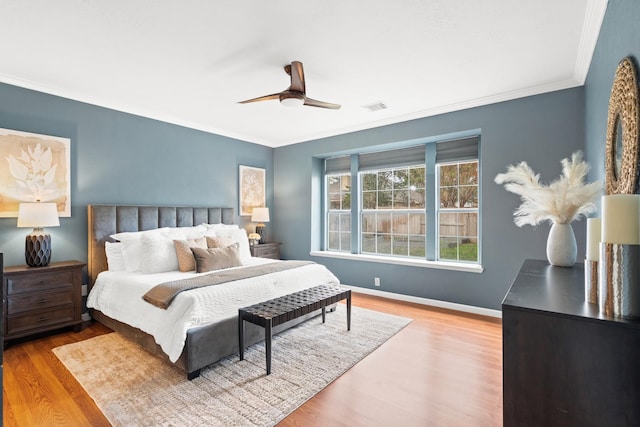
x,y
43,319
42,300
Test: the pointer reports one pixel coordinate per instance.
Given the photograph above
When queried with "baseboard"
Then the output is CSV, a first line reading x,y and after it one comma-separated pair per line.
x,y
430,302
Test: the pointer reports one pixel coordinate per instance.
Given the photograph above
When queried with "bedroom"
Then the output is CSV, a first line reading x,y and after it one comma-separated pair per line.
x,y
127,159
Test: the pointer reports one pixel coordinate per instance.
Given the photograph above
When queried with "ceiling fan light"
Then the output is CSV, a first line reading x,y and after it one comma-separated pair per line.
x,y
292,100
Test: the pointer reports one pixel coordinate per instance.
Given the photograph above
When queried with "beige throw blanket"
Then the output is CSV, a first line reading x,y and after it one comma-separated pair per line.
x,y
163,294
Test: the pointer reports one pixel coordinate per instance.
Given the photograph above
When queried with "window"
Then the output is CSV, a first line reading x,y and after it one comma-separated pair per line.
x,y
458,211
339,212
393,211
420,202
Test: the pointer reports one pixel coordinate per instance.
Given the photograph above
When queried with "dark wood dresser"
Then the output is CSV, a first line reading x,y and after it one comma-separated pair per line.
x,y
266,250
39,299
564,363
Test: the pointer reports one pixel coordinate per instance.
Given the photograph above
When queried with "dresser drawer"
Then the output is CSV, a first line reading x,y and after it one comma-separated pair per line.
x,y
39,282
36,301
267,250
40,320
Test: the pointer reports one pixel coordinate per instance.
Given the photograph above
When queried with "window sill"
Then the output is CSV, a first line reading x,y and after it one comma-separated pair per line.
x,y
442,265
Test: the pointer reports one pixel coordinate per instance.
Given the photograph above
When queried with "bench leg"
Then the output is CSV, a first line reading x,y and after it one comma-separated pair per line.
x,y
324,313
241,336
349,312
267,344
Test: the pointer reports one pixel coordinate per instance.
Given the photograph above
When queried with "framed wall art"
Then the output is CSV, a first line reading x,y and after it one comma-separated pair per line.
x,y
34,168
621,145
252,189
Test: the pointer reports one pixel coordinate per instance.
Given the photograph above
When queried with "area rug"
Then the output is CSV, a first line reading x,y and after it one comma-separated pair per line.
x,y
134,388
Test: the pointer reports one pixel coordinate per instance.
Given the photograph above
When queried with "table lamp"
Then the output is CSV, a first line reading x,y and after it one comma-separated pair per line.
x,y
260,215
37,249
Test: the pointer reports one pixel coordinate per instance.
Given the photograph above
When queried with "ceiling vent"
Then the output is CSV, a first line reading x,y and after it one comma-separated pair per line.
x,y
376,106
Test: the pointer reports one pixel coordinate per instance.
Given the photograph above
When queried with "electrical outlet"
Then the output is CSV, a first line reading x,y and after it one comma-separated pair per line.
x,y
376,281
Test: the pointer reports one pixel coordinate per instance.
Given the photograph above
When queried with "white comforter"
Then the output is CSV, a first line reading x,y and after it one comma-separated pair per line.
x,y
119,296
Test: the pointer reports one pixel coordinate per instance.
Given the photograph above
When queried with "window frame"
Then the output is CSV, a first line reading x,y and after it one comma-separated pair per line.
x,y
339,212
362,211
452,147
456,210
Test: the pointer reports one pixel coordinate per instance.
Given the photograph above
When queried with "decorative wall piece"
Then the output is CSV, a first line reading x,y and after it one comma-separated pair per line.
x,y
252,189
619,265
621,150
34,167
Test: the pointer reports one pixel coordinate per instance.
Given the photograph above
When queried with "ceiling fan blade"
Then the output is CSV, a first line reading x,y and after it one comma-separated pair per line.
x,y
262,98
315,103
296,72
296,91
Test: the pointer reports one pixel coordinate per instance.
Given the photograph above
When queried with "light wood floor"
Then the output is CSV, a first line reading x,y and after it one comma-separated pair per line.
x,y
444,369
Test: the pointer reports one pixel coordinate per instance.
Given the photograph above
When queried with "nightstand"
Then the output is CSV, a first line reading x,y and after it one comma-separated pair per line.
x,y
266,250
39,299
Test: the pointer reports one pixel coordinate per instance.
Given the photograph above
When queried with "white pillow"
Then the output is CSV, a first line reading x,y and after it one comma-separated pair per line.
x,y
221,227
132,246
190,232
115,257
128,235
158,253
238,235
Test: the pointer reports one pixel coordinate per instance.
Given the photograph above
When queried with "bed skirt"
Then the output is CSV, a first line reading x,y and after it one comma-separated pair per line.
x,y
205,344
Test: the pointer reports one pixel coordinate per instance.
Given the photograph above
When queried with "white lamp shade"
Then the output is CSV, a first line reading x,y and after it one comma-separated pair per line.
x,y
38,215
260,215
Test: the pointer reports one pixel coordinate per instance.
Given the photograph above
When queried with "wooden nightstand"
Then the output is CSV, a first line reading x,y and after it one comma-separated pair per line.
x,y
266,250
39,299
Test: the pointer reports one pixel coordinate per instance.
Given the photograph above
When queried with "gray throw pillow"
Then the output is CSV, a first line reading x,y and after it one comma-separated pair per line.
x,y
216,258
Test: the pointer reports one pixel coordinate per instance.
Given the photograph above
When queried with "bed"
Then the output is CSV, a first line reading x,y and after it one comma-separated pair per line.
x,y
213,334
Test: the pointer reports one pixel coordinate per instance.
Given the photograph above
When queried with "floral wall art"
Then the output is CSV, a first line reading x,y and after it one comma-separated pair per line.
x,y
252,189
34,167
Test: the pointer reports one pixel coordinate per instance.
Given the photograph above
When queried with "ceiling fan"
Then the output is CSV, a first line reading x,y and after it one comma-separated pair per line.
x,y
295,95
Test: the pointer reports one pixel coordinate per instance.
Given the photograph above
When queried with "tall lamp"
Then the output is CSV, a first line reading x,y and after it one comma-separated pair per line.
x,y
37,248
260,215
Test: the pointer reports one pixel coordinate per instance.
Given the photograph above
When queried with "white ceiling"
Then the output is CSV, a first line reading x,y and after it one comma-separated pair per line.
x,y
189,62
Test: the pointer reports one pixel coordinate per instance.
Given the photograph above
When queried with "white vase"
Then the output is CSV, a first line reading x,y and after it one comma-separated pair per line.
x,y
562,250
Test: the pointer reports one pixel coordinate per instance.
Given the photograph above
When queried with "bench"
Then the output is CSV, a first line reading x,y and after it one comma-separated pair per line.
x,y
276,311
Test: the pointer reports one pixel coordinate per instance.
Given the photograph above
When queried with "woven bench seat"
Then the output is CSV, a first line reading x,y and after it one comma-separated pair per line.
x,y
274,312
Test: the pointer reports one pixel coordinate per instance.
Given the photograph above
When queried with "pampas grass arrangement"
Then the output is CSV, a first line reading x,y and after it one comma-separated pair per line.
x,y
566,199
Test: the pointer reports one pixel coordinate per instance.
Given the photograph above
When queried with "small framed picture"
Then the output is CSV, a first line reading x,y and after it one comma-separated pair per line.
x,y
252,187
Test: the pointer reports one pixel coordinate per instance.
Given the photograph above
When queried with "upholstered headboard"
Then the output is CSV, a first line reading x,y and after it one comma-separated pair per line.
x,y
105,220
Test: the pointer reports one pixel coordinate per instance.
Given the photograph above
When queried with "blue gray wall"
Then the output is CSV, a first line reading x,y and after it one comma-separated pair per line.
x,y
619,38
541,130
123,158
